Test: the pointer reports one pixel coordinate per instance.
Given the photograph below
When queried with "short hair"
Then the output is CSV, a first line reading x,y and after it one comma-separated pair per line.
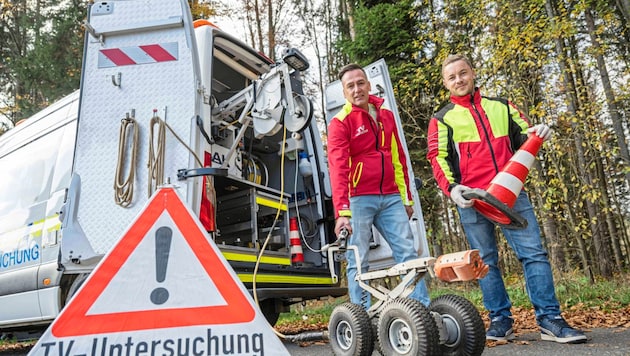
x,y
451,58
348,67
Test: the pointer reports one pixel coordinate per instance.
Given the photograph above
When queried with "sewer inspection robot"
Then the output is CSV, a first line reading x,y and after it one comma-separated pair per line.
x,y
398,325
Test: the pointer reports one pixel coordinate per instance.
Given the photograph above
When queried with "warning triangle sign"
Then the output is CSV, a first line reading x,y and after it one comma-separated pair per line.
x,y
164,272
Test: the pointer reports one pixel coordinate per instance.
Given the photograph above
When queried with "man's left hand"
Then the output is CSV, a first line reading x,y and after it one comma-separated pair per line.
x,y
541,130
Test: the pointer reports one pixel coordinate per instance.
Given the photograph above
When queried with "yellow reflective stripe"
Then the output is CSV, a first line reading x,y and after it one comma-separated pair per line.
x,y
497,111
346,213
380,124
463,124
356,176
34,224
240,257
278,278
399,174
271,203
54,227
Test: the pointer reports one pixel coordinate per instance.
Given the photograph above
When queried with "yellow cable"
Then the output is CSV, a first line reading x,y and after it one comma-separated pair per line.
x,y
262,249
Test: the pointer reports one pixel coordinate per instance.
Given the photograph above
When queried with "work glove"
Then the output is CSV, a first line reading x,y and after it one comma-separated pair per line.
x,y
541,130
458,198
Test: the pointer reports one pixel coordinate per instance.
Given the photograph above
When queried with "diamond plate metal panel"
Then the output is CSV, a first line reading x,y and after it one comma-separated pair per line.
x,y
108,94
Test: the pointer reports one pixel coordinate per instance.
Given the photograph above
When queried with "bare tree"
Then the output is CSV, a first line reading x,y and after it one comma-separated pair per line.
x,y
611,101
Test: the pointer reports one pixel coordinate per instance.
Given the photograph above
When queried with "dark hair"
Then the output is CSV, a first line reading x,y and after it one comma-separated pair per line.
x,y
454,58
349,67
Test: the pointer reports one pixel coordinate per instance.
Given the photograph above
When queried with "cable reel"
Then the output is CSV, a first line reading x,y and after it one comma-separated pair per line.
x,y
276,104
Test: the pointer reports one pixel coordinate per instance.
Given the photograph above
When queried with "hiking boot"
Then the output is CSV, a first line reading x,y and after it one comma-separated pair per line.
x,y
500,329
555,328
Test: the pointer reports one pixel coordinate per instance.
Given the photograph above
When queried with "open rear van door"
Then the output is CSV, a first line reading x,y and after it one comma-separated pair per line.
x,y
378,75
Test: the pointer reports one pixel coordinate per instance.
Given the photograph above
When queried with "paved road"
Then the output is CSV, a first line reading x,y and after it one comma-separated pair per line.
x,y
601,342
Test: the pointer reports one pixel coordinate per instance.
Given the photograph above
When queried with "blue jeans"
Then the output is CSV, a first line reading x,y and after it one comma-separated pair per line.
x,y
529,251
388,215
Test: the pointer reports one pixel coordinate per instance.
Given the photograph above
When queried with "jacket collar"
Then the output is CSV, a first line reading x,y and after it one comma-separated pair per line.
x,y
467,99
372,99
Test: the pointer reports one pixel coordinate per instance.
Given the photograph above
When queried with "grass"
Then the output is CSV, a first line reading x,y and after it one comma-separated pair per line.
x,y
572,290
4,340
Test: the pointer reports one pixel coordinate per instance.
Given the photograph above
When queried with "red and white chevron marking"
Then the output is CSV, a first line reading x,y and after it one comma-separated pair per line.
x,y
124,56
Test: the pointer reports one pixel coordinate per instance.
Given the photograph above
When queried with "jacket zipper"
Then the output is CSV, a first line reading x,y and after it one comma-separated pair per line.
x,y
376,132
485,131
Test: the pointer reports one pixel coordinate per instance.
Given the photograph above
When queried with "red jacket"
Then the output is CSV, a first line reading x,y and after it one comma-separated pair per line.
x,y
365,156
471,139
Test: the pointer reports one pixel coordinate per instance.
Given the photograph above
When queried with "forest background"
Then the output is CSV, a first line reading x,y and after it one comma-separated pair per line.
x,y
563,62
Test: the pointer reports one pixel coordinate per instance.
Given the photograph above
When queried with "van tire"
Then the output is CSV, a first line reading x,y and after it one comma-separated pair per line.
x,y
74,287
269,310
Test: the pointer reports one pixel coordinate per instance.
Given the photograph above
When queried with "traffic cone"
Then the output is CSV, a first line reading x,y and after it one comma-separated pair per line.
x,y
297,256
496,202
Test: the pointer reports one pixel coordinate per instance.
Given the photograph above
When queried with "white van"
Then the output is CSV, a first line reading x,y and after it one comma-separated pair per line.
x,y
164,100
35,171
214,118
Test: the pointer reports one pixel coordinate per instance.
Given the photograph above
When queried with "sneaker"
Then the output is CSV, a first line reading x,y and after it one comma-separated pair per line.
x,y
500,329
555,328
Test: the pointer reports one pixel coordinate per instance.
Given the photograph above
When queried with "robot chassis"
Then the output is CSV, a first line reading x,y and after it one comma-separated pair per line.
x,y
398,325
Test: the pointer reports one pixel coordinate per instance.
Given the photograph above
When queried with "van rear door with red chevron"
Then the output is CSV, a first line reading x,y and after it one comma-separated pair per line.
x,y
140,71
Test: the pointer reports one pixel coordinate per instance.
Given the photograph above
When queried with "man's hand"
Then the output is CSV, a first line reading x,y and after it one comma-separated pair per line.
x,y
541,130
458,198
343,222
409,210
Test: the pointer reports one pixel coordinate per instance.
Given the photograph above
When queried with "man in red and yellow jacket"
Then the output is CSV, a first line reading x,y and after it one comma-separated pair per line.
x,y
470,141
370,183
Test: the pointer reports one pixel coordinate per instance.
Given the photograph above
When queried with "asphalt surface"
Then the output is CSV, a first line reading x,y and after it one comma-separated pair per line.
x,y
601,342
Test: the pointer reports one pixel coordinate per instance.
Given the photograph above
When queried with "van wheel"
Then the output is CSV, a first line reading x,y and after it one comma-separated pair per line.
x,y
269,310
74,287
463,324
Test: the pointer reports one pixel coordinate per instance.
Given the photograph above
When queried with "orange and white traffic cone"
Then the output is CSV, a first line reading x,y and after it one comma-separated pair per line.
x,y
496,202
297,255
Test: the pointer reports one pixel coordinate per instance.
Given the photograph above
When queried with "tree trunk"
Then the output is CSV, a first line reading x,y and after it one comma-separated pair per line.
x,y
549,226
250,23
271,30
608,91
350,12
572,103
609,216
624,7
623,230
261,46
573,225
600,238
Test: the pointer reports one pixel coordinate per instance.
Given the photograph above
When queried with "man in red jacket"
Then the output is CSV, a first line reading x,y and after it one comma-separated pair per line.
x,y
370,183
470,140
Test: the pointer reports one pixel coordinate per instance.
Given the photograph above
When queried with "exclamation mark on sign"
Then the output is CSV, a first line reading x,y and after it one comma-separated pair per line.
x,y
162,250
